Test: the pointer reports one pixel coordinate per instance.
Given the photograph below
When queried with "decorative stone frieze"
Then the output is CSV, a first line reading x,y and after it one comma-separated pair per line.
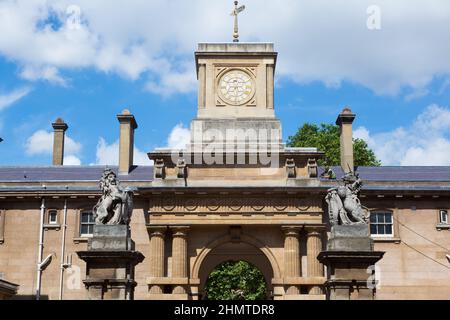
x,y
234,205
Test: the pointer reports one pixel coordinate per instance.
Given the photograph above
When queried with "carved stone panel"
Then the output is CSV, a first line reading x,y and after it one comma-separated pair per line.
x,y
233,205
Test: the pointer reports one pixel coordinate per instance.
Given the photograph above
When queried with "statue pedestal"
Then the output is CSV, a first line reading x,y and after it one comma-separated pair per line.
x,y
349,259
110,262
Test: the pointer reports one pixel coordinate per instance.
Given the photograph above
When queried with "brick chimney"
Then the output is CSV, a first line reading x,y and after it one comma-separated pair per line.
x,y
126,147
59,131
344,121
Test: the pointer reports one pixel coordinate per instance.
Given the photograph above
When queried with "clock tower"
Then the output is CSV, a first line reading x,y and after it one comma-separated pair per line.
x,y
235,89
235,80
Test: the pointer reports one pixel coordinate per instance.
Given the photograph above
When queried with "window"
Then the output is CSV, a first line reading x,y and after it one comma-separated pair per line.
x,y
443,216
87,223
53,217
381,224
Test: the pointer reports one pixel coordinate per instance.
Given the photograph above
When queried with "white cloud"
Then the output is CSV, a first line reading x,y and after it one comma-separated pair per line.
x,y
179,137
72,161
51,74
425,142
41,143
108,154
10,98
318,40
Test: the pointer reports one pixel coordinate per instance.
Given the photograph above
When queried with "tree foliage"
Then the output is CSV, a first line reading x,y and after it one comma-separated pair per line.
x,y
236,280
326,138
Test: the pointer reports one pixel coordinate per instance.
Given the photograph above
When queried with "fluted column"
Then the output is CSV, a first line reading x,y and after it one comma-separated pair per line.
x,y
157,235
292,256
179,256
314,247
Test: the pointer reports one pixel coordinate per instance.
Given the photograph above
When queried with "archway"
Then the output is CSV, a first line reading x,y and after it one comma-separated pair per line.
x,y
236,280
235,251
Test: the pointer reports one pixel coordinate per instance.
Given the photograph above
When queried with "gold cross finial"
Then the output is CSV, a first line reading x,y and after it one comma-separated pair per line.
x,y
235,13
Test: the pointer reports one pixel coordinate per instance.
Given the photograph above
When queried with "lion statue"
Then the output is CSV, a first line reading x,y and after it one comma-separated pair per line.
x,y
115,207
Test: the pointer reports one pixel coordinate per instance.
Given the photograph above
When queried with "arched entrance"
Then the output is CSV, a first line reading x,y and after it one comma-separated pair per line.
x,y
235,251
236,280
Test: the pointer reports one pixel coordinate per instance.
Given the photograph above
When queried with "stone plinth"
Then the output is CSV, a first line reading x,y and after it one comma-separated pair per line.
x,y
350,238
110,263
350,261
115,238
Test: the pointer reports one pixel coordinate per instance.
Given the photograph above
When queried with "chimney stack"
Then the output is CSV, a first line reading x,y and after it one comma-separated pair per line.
x,y
344,121
126,148
59,128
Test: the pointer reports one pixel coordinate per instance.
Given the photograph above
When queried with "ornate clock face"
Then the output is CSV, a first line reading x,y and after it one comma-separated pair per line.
x,y
236,87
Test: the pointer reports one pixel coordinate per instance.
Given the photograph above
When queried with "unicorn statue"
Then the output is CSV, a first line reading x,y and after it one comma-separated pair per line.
x,y
344,207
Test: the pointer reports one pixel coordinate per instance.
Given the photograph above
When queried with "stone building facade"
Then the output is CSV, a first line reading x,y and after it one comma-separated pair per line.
x,y
247,197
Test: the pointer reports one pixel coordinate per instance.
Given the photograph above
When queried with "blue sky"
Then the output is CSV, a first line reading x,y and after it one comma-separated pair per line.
x,y
140,56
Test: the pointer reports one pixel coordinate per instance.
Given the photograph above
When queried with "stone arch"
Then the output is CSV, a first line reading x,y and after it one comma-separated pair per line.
x,y
244,238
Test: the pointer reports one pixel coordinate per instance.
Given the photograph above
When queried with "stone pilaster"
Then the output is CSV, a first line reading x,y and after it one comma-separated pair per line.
x,y
157,235
292,256
179,256
313,248
202,85
270,86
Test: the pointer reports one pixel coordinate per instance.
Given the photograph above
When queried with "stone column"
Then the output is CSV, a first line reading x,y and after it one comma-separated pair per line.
x,y
314,247
179,256
292,256
156,256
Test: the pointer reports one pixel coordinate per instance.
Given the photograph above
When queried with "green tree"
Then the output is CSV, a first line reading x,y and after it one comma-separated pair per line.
x,y
326,138
236,280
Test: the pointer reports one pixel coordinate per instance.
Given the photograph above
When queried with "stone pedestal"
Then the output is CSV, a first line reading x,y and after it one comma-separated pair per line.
x,y
110,262
350,261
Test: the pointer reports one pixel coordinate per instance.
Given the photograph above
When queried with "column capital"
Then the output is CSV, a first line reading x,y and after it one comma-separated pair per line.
x,y
313,229
292,230
157,231
179,231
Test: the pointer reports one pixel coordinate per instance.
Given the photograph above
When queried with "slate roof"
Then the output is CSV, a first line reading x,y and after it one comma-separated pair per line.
x,y
69,173
145,173
397,173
